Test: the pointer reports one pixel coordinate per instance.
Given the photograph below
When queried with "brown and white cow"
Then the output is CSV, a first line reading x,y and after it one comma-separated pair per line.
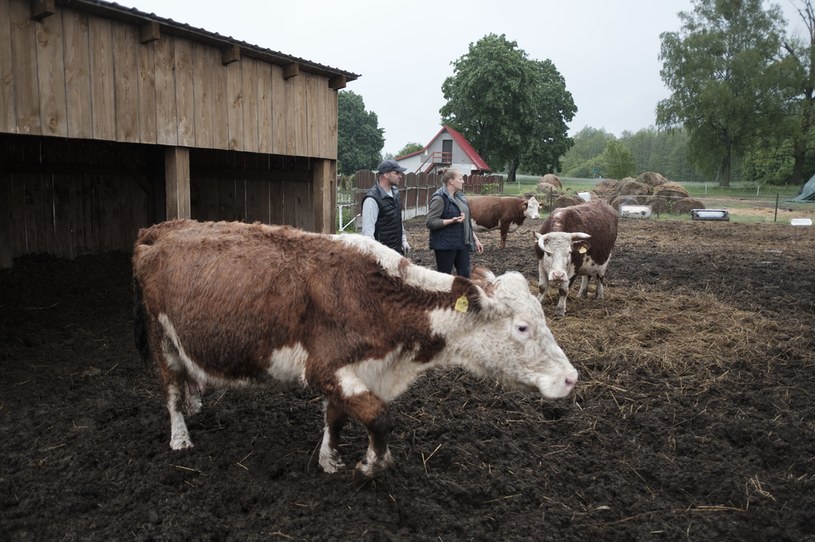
x,y
490,212
231,304
576,240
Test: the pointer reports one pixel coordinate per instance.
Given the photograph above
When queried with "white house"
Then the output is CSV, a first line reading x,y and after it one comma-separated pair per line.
x,y
447,149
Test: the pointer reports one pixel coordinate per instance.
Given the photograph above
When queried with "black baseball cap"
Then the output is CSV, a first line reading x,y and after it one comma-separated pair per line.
x,y
390,165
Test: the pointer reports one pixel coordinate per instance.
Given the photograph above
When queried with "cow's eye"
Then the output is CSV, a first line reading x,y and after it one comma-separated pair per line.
x,y
522,330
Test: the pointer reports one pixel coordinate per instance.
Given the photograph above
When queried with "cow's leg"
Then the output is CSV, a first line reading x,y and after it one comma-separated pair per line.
x,y
504,232
335,418
598,287
179,435
543,281
563,291
584,287
374,414
175,386
192,397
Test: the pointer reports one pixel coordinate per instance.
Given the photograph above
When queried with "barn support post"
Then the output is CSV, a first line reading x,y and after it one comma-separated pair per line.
x,y
324,183
177,182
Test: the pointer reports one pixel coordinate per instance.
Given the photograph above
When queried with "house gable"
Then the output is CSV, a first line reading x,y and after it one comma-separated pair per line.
x,y
457,153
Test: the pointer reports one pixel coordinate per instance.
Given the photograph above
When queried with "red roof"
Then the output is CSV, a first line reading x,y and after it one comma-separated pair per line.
x,y
468,149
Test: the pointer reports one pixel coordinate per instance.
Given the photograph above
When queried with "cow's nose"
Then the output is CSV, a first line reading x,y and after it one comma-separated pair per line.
x,y
557,276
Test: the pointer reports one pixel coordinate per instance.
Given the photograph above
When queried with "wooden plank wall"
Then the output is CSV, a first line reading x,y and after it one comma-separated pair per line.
x,y
251,187
57,79
69,197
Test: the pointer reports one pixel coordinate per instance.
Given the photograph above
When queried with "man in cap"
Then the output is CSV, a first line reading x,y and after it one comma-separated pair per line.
x,y
381,210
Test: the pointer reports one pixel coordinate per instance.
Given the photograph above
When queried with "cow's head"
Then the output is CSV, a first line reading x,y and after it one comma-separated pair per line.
x,y
508,339
556,250
531,208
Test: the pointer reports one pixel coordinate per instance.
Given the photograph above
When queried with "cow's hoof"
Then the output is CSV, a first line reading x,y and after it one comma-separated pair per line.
x,y
180,443
331,463
560,314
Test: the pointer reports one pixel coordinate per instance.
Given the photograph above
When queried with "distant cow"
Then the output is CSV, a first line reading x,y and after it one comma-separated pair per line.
x,y
232,304
490,212
576,240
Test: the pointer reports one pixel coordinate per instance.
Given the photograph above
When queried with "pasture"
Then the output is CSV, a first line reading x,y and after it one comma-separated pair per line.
x,y
694,418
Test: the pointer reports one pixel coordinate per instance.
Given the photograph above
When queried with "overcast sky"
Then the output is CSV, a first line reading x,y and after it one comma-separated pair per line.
x,y
606,50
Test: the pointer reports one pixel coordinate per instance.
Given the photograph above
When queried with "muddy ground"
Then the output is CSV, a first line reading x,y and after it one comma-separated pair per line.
x,y
694,418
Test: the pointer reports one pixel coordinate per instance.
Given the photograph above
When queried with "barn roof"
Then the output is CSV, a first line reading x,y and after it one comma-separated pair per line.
x,y
112,10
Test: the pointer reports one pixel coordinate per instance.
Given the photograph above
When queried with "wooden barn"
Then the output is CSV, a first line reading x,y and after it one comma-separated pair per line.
x,y
112,119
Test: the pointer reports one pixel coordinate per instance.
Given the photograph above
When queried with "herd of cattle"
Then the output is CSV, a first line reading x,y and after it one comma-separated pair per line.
x,y
235,304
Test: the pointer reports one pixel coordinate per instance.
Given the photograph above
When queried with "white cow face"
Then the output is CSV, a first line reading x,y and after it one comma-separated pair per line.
x,y
557,250
532,208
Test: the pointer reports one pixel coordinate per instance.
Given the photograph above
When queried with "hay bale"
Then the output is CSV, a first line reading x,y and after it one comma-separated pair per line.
x,y
606,187
671,190
546,188
552,179
618,200
631,187
685,205
659,205
567,200
652,179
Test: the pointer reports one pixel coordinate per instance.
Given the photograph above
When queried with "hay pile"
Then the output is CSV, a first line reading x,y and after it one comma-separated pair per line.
x,y
654,190
550,179
689,337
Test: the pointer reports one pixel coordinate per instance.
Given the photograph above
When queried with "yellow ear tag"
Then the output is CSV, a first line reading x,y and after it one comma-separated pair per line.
x,y
583,249
462,304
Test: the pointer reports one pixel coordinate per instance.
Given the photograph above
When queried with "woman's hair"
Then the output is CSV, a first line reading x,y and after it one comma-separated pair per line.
x,y
448,175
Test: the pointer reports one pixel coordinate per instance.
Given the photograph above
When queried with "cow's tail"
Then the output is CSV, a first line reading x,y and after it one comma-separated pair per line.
x,y
140,322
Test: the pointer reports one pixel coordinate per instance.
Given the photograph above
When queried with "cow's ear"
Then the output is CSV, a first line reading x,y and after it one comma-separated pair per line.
x,y
483,278
581,246
466,296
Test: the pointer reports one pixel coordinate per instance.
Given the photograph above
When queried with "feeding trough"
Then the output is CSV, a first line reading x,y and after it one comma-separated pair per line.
x,y
710,214
635,211
800,222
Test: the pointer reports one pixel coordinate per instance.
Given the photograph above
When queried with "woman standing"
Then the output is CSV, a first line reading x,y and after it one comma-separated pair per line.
x,y
448,219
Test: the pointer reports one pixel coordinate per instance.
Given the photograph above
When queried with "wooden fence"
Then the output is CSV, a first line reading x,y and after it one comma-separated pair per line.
x,y
415,191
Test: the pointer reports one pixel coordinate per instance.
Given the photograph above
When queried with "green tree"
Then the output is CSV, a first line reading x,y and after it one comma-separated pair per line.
x,y
719,68
618,161
410,148
583,156
496,99
360,139
799,68
547,139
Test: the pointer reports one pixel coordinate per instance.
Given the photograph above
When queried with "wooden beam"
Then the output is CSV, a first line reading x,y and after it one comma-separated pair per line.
x,y
177,182
40,9
290,70
324,190
230,54
149,31
337,82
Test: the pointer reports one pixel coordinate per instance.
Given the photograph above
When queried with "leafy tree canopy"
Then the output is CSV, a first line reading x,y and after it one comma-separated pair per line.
x,y
719,70
618,161
410,148
510,108
360,139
